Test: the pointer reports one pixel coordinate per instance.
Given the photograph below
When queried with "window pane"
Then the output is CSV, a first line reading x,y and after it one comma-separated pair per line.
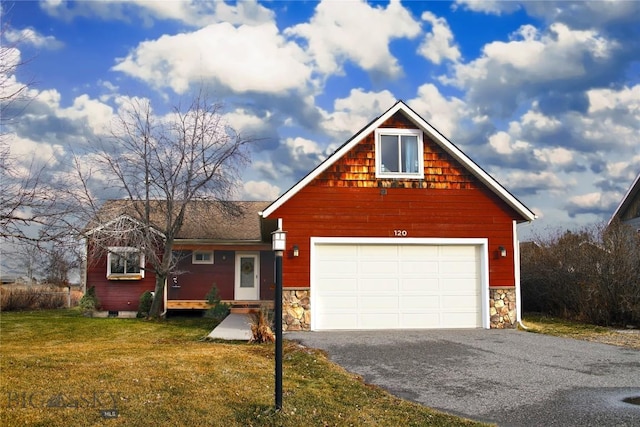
x,y
389,153
133,262
409,153
117,264
247,272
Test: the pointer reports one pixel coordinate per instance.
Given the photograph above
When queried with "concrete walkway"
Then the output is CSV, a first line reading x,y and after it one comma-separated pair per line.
x,y
234,327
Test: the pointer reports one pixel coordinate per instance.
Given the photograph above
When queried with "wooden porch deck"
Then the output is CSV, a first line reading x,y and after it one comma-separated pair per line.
x,y
236,305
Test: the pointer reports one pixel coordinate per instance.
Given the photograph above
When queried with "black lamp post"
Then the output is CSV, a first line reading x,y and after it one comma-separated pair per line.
x,y
279,243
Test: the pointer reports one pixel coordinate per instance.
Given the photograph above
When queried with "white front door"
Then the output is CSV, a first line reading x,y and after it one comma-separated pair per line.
x,y
247,276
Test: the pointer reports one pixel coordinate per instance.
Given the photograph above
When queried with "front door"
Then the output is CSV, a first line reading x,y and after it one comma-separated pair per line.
x,y
247,276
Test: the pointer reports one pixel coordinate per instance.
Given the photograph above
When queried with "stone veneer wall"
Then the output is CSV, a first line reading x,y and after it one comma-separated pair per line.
x,y
502,308
296,310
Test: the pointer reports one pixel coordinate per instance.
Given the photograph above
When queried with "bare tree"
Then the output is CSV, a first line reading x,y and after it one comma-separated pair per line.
x,y
161,165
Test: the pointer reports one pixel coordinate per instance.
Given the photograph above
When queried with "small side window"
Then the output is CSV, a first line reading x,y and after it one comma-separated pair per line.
x,y
202,257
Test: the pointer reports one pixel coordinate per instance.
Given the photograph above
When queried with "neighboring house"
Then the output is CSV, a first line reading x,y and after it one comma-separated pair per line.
x,y
399,229
628,211
228,250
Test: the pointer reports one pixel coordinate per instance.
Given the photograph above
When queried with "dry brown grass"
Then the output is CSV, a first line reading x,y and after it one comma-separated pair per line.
x,y
549,325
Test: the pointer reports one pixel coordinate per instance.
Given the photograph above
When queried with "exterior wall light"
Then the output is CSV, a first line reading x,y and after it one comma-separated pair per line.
x,y
296,250
503,251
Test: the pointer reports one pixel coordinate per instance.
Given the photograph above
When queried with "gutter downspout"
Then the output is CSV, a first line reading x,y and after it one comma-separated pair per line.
x,y
164,298
516,266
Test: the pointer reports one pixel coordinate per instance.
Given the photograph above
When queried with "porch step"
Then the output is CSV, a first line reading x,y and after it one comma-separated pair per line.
x,y
244,310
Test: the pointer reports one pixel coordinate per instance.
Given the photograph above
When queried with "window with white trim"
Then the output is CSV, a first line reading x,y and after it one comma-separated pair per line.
x,y
399,153
202,257
125,263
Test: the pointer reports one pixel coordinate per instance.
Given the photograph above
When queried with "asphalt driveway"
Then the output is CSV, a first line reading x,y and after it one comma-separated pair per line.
x,y
507,377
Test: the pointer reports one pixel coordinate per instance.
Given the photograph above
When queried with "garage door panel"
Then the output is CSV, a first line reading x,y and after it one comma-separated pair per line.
x,y
337,302
339,285
342,268
462,302
374,268
386,285
390,286
382,252
417,303
418,252
378,304
419,267
419,284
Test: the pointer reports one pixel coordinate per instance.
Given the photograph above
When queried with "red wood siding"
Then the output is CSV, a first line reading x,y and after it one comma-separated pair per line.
x,y
117,295
196,280
347,200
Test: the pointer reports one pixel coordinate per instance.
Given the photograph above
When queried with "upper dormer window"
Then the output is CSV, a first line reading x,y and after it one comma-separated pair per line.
x,y
399,153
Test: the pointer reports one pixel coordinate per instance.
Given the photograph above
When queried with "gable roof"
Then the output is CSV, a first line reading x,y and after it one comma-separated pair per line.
x,y
436,136
205,220
627,200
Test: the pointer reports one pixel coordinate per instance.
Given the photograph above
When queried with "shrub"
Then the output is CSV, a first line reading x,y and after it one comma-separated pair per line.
x,y
219,310
89,301
591,275
31,298
144,304
261,331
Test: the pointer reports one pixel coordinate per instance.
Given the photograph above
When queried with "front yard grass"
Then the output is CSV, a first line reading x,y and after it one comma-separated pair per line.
x,y
549,325
58,368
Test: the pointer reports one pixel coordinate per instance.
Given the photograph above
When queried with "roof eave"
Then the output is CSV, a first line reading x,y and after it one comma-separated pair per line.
x,y
626,200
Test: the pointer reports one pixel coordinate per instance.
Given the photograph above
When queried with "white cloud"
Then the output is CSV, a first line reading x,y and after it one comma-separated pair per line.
x,y
442,113
194,12
593,202
27,151
627,98
243,59
260,190
502,143
357,32
495,7
554,156
352,113
32,37
530,64
438,45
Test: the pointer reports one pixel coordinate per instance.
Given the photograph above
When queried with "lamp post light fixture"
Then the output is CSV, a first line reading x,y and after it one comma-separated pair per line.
x,y
279,244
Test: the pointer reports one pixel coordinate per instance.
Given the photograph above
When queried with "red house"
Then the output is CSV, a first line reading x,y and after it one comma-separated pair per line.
x,y
221,245
397,229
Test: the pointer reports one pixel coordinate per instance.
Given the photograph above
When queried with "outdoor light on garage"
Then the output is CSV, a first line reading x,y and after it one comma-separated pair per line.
x,y
279,243
503,251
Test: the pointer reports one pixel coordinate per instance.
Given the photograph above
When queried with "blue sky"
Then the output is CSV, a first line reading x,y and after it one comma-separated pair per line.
x,y
545,96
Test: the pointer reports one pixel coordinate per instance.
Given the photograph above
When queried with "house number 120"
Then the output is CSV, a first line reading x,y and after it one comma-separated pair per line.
x,y
400,233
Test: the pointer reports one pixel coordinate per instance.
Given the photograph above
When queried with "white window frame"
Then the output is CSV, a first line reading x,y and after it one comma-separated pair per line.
x,y
399,132
115,250
197,261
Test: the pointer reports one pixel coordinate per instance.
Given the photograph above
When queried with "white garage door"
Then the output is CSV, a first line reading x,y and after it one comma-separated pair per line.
x,y
396,286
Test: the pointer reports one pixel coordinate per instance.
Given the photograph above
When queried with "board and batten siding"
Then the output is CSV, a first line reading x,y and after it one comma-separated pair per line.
x,y
347,200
